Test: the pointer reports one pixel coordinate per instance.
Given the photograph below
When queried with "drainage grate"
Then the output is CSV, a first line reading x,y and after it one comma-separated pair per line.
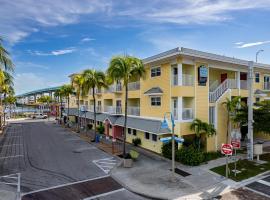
x,y
181,172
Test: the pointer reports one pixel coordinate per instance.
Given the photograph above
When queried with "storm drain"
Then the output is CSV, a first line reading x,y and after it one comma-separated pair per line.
x,y
181,172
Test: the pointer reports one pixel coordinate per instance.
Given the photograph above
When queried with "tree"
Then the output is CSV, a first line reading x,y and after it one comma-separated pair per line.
x,y
200,127
93,79
6,63
58,94
10,100
77,82
232,106
125,68
67,90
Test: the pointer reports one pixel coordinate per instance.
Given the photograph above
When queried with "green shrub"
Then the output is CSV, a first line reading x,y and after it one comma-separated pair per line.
x,y
100,129
166,150
89,126
190,156
211,155
134,154
136,141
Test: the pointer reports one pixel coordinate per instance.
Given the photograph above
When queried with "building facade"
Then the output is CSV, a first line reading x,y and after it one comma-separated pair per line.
x,y
188,83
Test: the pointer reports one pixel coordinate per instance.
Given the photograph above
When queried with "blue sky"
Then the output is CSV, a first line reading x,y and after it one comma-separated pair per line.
x,y
49,40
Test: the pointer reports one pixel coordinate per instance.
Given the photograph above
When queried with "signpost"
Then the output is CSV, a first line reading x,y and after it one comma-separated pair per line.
x,y
227,149
236,143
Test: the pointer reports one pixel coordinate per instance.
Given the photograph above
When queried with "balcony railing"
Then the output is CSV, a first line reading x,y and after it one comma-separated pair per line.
x,y
266,86
187,113
133,110
114,88
134,86
243,84
113,109
175,113
187,80
98,108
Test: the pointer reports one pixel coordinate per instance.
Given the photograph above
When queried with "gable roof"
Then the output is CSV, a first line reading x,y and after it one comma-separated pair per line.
x,y
154,91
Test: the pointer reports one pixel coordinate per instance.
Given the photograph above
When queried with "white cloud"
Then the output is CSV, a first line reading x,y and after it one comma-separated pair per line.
x,y
54,53
246,45
25,82
31,65
87,39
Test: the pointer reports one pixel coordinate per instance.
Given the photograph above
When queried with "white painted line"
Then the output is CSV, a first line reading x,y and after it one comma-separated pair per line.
x,y
14,136
63,185
11,156
255,191
264,182
105,194
109,163
9,145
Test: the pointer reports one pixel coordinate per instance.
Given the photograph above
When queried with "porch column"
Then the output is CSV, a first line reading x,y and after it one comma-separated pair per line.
x,y
238,80
180,107
180,73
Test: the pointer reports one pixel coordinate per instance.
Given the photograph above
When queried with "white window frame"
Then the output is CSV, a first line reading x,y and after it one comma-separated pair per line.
x,y
155,68
151,97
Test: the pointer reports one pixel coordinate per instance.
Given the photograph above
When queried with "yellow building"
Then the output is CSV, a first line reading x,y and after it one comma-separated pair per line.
x,y
190,84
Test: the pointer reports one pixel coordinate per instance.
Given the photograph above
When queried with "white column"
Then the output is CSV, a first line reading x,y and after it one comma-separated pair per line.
x,y
180,74
238,80
180,107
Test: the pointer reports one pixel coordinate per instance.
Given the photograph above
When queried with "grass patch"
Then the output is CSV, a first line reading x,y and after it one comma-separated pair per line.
x,y
248,168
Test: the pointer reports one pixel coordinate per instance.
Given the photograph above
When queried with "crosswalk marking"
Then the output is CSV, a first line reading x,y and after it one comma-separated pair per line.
x,y
264,182
106,164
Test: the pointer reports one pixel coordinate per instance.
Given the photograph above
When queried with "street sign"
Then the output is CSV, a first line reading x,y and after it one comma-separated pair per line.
x,y
236,144
227,149
167,139
235,134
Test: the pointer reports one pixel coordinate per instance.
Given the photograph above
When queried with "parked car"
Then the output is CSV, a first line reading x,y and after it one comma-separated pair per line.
x,y
39,116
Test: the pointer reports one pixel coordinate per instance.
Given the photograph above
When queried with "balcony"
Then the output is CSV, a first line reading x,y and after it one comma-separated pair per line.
x,y
114,110
114,88
266,85
243,84
175,113
187,114
133,110
98,109
134,86
187,80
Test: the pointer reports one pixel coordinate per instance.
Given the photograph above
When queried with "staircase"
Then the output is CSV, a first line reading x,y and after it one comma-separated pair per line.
x,y
221,89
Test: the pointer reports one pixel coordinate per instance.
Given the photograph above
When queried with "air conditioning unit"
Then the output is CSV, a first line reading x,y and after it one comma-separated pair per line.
x,y
83,108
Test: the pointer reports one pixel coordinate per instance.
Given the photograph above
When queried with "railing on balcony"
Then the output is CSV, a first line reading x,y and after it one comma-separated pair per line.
x,y
187,114
134,86
266,86
133,110
113,109
114,88
175,113
243,84
219,91
187,80
98,108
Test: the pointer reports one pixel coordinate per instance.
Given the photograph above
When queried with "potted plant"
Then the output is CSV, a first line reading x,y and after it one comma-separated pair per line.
x,y
127,160
136,141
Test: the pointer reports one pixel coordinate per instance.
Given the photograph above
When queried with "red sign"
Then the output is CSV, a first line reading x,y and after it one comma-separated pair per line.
x,y
227,149
236,144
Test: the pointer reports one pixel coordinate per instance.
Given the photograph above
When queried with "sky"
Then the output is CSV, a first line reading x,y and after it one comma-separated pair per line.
x,y
49,40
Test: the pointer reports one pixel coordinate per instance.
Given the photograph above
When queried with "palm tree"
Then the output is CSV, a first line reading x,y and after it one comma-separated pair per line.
x,y
67,90
77,82
93,79
200,127
231,105
125,68
5,61
59,94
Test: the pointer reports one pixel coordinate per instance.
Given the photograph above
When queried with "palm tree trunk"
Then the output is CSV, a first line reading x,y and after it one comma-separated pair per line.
x,y
68,109
95,114
125,122
228,126
4,105
78,125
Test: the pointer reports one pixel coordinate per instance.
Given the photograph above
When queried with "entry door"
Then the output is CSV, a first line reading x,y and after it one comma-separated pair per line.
x,y
223,77
118,103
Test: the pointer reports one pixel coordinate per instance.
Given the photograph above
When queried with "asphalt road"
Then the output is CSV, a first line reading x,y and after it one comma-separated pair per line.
x,y
56,164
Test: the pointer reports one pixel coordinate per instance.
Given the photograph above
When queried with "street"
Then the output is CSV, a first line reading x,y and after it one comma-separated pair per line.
x,y
56,164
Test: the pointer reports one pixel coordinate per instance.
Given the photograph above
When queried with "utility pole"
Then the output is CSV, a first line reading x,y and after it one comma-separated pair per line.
x,y
250,111
257,53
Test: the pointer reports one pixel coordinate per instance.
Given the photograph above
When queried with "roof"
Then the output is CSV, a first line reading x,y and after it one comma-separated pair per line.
x,y
154,90
143,124
260,93
39,91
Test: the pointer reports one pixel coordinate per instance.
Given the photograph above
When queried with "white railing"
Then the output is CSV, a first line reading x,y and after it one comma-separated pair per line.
x,y
175,80
134,86
243,84
133,110
213,85
113,109
187,80
98,90
266,86
114,88
187,113
175,113
98,108
213,96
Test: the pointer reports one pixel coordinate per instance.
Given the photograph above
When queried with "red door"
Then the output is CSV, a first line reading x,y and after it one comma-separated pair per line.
x,y
223,77
243,76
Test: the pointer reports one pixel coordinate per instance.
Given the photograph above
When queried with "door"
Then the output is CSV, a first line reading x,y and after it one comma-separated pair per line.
x,y
223,77
243,76
118,107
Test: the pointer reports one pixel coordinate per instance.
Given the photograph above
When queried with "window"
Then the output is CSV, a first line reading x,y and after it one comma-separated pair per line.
x,y
155,71
129,131
110,126
154,137
146,135
257,77
134,132
155,101
257,99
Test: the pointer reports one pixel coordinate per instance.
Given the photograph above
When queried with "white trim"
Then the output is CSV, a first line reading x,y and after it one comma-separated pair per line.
x,y
188,61
105,194
16,156
180,74
154,94
153,67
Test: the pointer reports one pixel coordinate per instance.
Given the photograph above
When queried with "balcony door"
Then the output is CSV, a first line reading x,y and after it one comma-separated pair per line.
x,y
223,77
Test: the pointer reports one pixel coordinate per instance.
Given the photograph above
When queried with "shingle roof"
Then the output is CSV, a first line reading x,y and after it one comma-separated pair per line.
x,y
143,124
154,90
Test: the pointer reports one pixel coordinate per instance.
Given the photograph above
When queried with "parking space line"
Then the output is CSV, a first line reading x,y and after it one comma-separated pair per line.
x,y
9,145
11,156
105,164
256,191
264,182
105,194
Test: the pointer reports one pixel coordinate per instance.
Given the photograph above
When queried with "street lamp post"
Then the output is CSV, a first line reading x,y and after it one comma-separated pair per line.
x,y
164,125
257,53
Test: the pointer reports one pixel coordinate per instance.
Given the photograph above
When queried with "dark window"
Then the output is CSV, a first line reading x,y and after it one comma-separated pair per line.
x,y
155,71
154,137
257,77
257,99
129,131
146,135
134,132
110,126
155,101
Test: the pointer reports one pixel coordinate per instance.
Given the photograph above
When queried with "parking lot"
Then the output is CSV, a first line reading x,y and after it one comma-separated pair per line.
x,y
56,164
